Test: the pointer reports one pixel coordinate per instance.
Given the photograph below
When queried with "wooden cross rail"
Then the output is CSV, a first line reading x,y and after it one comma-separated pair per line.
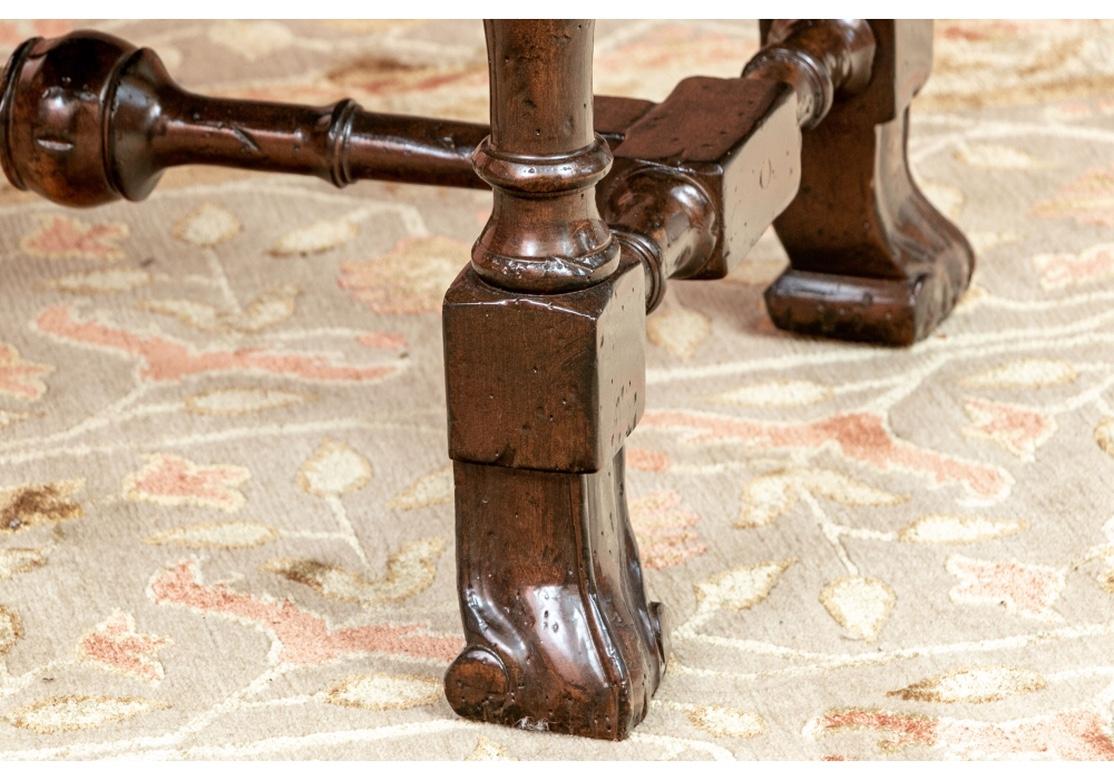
x,y
88,118
89,103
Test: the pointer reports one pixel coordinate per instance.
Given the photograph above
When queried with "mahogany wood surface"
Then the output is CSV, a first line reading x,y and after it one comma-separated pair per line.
x,y
597,202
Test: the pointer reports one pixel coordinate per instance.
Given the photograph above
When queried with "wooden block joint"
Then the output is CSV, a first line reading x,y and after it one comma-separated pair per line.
x,y
552,382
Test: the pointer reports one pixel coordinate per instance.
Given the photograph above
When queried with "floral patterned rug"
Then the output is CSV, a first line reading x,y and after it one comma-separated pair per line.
x,y
225,519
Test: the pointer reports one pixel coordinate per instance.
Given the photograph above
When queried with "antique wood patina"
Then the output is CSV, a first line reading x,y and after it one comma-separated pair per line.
x,y
870,258
597,202
559,633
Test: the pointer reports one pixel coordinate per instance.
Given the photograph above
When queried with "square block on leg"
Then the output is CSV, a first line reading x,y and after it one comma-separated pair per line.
x,y
551,382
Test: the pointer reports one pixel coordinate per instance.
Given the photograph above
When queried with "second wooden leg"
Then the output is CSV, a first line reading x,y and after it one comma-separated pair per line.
x,y
871,258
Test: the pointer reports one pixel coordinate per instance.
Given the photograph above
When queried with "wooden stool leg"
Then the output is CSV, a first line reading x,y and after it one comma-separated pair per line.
x,y
545,378
871,259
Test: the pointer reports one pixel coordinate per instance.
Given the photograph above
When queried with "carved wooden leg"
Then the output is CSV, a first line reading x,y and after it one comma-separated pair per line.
x,y
545,379
871,259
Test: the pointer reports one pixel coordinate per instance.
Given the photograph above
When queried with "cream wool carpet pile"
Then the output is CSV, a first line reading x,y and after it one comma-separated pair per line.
x,y
225,502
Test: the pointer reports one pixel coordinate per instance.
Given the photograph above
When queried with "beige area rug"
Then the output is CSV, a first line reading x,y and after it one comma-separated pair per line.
x,y
226,522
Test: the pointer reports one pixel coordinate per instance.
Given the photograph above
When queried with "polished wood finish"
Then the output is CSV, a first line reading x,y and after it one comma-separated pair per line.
x,y
744,156
597,202
545,377
543,159
871,258
88,118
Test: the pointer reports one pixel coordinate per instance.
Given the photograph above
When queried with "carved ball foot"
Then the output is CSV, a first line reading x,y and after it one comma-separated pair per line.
x,y
477,684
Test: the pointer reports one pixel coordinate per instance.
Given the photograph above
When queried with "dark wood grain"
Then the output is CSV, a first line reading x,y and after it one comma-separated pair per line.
x,y
871,258
597,202
89,118
545,378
